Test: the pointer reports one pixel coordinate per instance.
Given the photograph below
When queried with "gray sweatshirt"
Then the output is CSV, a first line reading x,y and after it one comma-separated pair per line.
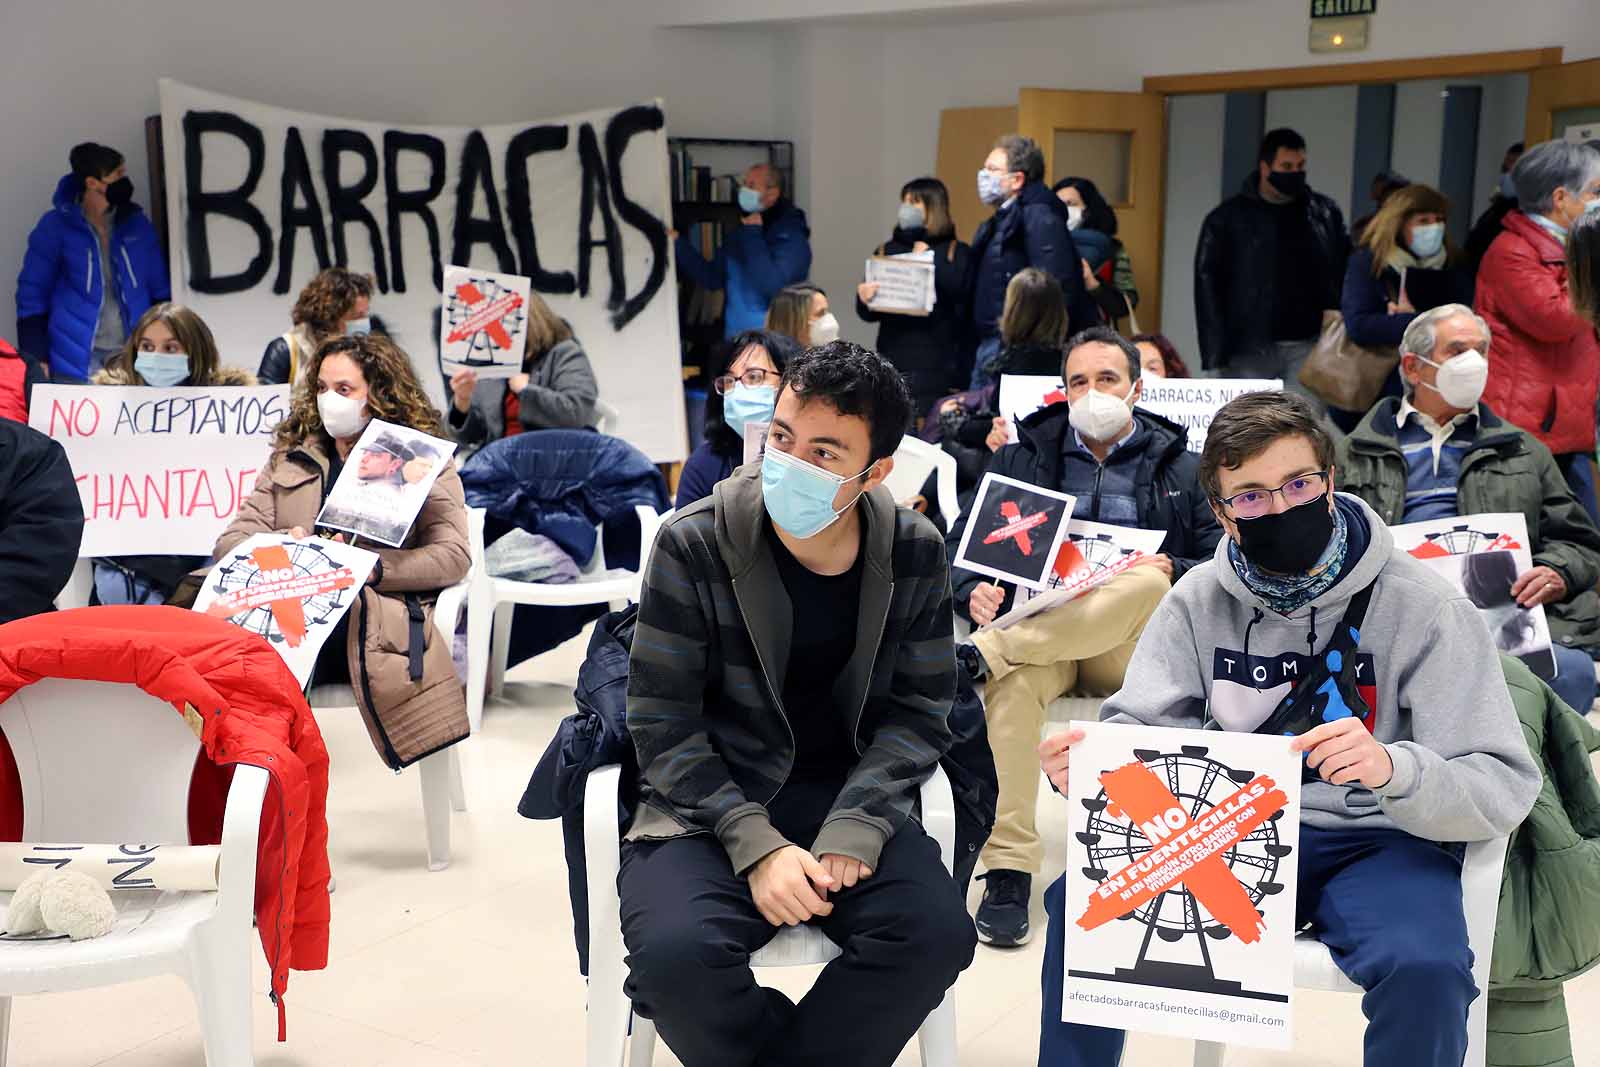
x,y
1425,664
560,394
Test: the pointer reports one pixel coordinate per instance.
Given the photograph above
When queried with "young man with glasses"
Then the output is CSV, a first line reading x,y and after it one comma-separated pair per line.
x,y
789,690
1432,754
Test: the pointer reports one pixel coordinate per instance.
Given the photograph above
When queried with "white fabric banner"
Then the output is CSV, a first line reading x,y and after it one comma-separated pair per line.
x,y
260,198
160,471
1192,402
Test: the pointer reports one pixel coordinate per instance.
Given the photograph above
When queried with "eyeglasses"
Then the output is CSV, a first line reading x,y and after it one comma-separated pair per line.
x,y
754,378
1254,503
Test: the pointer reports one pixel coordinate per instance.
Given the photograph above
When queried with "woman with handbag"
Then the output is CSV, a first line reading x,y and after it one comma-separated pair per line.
x,y
1405,265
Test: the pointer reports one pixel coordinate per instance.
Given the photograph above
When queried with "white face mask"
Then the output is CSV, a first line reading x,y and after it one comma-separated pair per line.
x,y
342,416
1461,378
824,330
1074,216
1101,416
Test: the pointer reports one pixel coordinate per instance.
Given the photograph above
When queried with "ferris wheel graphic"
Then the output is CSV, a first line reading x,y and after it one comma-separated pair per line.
x,y
1112,841
485,314
1462,539
241,573
1098,550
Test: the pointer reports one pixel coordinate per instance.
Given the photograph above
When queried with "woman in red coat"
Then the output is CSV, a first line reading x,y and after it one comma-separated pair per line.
x,y
1544,363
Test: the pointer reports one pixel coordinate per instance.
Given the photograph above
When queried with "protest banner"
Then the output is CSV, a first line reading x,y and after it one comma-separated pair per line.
x,y
1023,394
905,283
1191,402
1015,531
483,323
260,198
1482,555
1092,554
385,483
160,471
1192,836
293,593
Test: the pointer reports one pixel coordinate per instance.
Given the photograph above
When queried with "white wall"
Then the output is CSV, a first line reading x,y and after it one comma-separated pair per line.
x,y
77,70
1326,118
1194,160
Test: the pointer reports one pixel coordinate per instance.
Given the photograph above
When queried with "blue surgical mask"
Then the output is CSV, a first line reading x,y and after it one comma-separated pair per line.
x,y
1427,240
1508,188
749,200
357,327
911,217
990,191
162,369
799,496
1592,207
744,404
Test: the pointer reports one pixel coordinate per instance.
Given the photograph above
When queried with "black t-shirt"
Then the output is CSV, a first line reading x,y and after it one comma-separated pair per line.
x,y
826,609
1300,273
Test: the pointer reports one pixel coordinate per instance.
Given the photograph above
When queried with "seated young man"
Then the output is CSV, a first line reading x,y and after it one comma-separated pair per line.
x,y
788,692
1126,467
1444,762
1439,452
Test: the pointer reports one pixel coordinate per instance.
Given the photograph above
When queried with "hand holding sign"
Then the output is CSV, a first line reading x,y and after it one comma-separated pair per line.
x,y
1055,753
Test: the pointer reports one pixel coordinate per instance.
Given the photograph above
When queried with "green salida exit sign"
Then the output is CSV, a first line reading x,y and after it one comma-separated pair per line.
x,y
1338,9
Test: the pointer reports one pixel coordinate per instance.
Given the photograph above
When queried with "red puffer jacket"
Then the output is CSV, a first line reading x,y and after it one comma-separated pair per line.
x,y
1544,361
253,713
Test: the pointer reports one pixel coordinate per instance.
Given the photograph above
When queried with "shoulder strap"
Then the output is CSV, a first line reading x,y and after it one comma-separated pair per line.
x,y
294,356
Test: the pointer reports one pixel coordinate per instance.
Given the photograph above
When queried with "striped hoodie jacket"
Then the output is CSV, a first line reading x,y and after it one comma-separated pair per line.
x,y
707,670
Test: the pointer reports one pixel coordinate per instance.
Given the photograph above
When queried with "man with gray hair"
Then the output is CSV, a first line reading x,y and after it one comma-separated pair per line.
x,y
1545,367
1439,452
1028,229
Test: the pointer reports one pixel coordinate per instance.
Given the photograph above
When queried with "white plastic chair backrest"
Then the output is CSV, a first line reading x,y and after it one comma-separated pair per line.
x,y
606,418
80,583
649,523
914,460
100,762
475,518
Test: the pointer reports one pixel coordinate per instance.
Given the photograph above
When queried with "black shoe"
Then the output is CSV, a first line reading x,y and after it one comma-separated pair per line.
x,y
1003,913
970,660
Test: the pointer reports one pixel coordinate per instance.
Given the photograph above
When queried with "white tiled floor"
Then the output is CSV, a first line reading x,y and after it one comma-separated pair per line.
x,y
475,965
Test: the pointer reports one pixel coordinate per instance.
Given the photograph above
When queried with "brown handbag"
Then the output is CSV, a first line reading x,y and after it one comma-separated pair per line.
x,y
1343,374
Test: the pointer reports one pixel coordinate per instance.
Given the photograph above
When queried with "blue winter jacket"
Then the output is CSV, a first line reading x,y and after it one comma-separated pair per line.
x,y
562,484
60,289
1030,232
753,264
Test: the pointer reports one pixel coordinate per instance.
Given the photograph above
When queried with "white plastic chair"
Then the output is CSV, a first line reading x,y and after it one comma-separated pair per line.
x,y
913,461
596,584
440,773
606,418
80,583
797,946
102,762
1481,869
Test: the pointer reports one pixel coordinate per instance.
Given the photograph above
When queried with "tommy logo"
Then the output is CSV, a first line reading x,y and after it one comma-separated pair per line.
x,y
1016,529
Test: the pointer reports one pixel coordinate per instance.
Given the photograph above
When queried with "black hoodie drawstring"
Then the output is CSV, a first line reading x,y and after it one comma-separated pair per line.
x,y
1311,638
1256,617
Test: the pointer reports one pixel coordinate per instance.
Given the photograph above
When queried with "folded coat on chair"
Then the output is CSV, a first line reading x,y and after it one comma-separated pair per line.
x,y
246,706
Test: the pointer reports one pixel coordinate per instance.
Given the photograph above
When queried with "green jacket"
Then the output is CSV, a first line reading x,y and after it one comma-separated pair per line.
x,y
1506,470
706,677
1548,928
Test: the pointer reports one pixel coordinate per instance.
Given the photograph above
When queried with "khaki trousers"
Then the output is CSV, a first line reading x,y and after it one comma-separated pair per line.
x,y
1081,648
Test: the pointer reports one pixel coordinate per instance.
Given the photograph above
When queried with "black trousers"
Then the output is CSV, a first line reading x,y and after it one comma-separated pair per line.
x,y
690,926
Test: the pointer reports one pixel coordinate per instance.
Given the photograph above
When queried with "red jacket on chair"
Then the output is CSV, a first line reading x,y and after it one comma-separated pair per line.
x,y
1544,359
250,710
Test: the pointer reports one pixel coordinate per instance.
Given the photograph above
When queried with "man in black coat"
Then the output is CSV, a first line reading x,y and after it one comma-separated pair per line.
x,y
41,521
1269,261
1127,468
1028,229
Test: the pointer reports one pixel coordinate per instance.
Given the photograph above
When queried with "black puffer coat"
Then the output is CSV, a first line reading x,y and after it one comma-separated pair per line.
x,y
1236,269
933,351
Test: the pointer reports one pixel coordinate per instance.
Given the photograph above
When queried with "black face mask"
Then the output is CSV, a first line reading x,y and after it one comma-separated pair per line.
x,y
119,192
1290,183
1290,541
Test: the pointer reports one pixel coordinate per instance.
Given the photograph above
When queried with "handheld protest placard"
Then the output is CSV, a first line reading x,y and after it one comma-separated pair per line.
x,y
385,482
483,324
1015,531
1182,868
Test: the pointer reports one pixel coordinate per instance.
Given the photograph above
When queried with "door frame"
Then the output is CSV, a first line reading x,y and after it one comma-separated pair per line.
x,y
1466,65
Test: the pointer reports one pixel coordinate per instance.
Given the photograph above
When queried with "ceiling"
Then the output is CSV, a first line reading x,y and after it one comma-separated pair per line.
x,y
748,13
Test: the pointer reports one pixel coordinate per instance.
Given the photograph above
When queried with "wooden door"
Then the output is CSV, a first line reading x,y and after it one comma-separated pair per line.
x,y
1118,141
1562,100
